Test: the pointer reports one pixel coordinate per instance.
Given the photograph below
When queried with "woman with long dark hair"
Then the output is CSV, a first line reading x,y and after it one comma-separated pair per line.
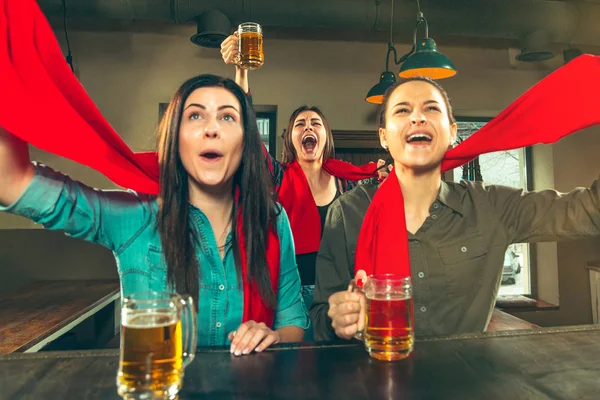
x,y
214,231
308,178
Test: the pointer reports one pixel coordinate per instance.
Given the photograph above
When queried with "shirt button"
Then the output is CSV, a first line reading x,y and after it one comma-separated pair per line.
x,y
218,324
433,216
423,309
436,206
421,274
221,287
463,249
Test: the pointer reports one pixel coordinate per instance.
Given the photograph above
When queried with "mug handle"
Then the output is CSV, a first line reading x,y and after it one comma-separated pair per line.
x,y
191,335
358,288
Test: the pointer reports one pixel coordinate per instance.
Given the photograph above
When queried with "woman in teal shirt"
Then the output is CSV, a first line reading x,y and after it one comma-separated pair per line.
x,y
211,164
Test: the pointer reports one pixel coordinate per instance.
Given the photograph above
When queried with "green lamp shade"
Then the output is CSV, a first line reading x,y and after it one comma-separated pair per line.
x,y
376,93
427,61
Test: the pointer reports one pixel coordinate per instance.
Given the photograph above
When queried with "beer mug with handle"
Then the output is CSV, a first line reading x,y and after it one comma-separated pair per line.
x,y
154,347
250,46
388,327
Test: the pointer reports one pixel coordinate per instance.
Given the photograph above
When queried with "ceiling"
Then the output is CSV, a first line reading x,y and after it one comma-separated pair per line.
x,y
563,22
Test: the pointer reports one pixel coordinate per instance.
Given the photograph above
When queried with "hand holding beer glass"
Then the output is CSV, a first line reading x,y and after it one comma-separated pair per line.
x,y
245,47
388,327
154,349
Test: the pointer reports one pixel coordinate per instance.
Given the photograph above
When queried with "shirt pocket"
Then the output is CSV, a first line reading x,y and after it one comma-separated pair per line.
x,y
157,269
463,263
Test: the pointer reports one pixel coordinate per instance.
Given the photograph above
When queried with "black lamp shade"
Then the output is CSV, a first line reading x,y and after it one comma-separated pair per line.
x,y
375,95
427,61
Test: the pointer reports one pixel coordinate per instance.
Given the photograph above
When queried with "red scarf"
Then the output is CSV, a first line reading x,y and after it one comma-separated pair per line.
x,y
44,104
564,102
254,306
295,196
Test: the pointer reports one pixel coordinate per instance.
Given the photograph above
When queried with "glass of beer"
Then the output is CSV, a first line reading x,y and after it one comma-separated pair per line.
x,y
154,348
250,46
388,331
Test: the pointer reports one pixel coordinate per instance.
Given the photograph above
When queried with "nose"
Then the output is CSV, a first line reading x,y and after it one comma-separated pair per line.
x,y
417,118
211,130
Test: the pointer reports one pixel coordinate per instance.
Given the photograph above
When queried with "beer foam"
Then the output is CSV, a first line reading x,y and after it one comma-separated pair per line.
x,y
148,319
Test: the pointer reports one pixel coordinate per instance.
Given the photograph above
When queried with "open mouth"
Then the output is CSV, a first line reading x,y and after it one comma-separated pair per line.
x,y
211,155
309,143
418,138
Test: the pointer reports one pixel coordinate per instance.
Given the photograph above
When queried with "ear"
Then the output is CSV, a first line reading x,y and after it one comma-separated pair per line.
x,y
383,138
453,133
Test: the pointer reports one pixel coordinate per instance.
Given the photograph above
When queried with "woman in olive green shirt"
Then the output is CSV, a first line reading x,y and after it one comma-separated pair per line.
x,y
458,232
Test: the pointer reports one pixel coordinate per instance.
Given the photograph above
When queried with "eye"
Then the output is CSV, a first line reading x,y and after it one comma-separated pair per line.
x,y
299,124
229,118
194,116
402,111
317,123
433,108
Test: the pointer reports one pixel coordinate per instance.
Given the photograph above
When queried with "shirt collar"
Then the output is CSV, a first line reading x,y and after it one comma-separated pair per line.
x,y
449,197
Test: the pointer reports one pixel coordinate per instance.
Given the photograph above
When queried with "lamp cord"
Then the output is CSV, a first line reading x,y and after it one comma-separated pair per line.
x,y
69,57
391,48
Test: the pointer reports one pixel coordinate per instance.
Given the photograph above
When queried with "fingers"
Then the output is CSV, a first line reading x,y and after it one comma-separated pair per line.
x,y
346,332
345,312
271,338
252,336
239,334
231,335
343,297
229,49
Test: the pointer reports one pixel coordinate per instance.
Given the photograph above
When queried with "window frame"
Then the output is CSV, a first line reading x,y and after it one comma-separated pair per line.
x,y
528,163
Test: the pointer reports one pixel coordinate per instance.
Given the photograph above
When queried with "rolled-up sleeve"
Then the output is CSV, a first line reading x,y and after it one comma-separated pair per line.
x,y
291,310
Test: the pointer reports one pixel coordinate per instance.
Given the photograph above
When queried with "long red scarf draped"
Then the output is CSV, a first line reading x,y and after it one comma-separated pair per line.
x,y
43,103
564,102
295,196
254,306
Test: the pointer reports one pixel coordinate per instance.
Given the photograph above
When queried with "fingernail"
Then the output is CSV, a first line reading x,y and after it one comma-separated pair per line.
x,y
245,351
237,353
232,350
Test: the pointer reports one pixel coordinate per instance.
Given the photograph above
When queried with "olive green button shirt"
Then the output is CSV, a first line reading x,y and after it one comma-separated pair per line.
x,y
457,255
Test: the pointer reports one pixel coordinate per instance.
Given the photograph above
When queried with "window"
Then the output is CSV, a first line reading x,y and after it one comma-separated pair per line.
x,y
266,118
508,168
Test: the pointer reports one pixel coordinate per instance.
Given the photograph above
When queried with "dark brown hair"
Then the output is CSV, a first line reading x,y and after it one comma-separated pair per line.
x,y
289,152
178,233
391,89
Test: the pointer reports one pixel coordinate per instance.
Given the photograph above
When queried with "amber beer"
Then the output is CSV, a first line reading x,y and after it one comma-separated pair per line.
x,y
152,353
154,348
250,46
388,331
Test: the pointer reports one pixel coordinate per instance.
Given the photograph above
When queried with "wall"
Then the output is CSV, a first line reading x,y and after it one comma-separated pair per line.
x,y
128,73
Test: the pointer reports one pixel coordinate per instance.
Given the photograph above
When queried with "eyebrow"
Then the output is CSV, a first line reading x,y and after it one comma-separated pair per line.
x,y
311,120
204,108
406,103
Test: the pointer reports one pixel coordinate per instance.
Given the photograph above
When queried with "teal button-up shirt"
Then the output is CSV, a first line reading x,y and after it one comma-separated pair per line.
x,y
125,222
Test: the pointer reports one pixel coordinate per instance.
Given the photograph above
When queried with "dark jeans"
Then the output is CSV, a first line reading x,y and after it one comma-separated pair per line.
x,y
308,292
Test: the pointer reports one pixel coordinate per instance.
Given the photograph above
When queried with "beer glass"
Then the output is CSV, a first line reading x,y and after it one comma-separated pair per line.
x,y
154,348
250,46
388,331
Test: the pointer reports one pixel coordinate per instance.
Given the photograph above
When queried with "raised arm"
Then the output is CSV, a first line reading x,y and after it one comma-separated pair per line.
x,y
229,51
547,215
16,170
